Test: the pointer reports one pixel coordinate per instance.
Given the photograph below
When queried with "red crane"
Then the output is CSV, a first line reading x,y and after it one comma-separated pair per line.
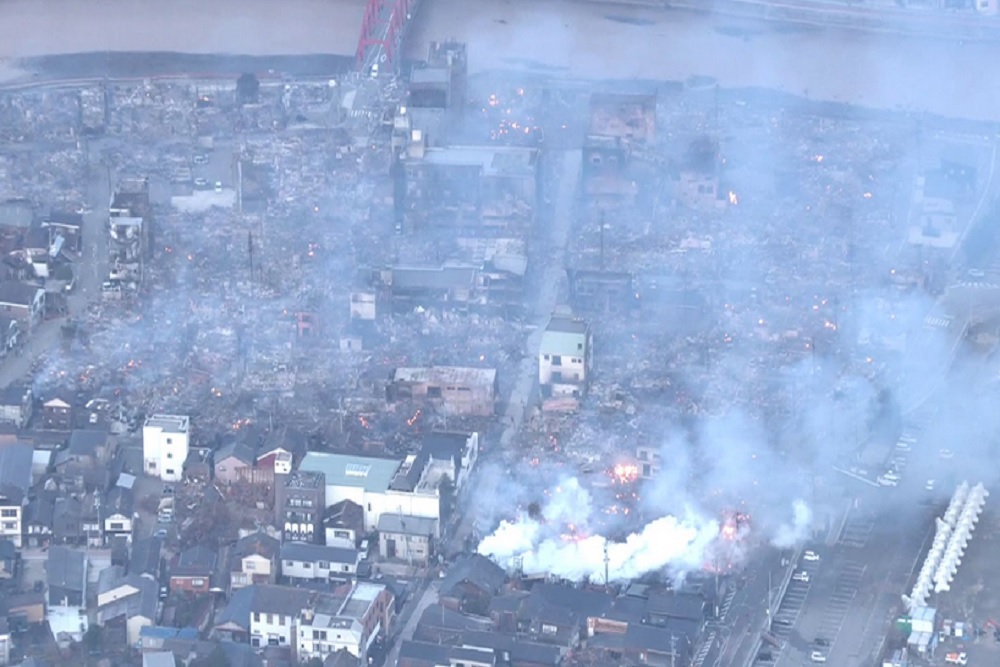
x,y
381,31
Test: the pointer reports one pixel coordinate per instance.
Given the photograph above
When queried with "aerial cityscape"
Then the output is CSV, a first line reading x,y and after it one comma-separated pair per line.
x,y
499,333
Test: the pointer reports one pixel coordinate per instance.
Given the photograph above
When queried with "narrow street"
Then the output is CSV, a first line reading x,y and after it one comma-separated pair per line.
x,y
546,300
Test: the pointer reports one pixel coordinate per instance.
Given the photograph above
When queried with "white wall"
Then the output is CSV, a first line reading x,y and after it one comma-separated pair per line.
x,y
10,526
164,453
312,570
350,639
573,369
398,502
283,627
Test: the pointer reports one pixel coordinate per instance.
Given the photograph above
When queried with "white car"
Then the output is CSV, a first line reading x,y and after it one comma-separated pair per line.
x,y
929,485
810,556
200,182
887,481
891,474
903,446
218,186
818,656
801,576
946,454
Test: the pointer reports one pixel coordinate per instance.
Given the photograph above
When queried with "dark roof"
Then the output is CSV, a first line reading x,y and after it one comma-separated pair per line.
x,y
13,394
145,557
17,293
406,525
241,655
15,470
437,618
197,561
424,652
477,570
278,599
41,511
85,442
258,543
143,603
445,445
586,603
237,450
118,500
672,604
66,568
520,649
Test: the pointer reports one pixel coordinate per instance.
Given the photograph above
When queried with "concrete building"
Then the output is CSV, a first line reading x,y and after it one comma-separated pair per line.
x,y
450,390
351,622
299,501
406,538
565,358
15,481
165,446
316,562
409,487
274,612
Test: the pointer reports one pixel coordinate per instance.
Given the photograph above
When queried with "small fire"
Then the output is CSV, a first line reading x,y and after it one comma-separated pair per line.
x,y
733,199
364,422
625,473
413,420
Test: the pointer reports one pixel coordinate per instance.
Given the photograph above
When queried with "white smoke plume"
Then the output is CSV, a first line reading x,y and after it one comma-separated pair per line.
x,y
559,546
790,534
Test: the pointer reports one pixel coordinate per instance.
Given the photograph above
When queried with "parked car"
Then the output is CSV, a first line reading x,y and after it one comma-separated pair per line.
x,y
810,556
822,643
801,576
817,656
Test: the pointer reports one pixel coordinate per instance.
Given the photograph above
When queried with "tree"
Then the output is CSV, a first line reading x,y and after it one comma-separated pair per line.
x,y
247,88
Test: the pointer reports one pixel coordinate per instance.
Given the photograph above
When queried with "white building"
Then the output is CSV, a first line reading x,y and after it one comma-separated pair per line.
x,y
15,480
316,561
565,358
351,623
274,612
408,487
165,442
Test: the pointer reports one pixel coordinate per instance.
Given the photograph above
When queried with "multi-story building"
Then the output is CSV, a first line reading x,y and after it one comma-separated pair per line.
x,y
129,227
274,614
350,619
565,357
15,480
299,503
165,444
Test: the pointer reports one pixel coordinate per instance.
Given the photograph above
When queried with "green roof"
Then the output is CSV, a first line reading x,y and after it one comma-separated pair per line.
x,y
367,472
562,343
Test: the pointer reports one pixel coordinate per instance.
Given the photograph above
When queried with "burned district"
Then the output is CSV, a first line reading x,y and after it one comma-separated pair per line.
x,y
416,363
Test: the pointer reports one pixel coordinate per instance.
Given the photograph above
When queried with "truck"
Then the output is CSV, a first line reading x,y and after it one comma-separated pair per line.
x,y
957,658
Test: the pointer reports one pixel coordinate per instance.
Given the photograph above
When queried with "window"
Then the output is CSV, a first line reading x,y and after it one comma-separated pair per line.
x,y
546,357
170,441
8,514
556,360
323,565
10,525
548,629
169,471
579,346
170,455
117,526
255,641
433,392
346,568
197,583
281,621
289,563
270,619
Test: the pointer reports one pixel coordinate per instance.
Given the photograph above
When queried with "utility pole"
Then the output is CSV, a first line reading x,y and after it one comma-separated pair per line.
x,y
602,239
250,253
607,561
673,650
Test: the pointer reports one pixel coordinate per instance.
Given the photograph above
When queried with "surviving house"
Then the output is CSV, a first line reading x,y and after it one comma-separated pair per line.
x,y
343,524
15,480
23,302
450,390
469,584
300,561
253,560
230,462
66,577
456,452
407,538
165,445
16,405
194,570
39,518
273,613
117,513
565,358
128,599
299,501
57,413
350,619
